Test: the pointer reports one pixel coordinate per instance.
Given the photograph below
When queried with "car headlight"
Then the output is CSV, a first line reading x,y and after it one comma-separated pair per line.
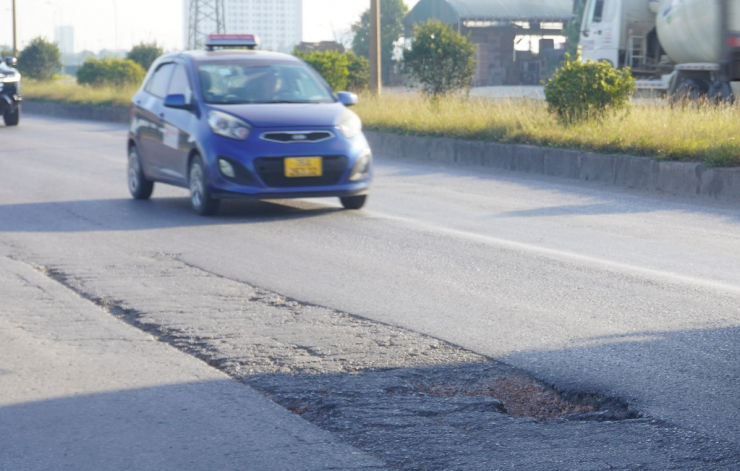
x,y
229,126
349,124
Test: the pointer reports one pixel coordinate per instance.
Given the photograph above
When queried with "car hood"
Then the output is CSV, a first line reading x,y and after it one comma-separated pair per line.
x,y
283,115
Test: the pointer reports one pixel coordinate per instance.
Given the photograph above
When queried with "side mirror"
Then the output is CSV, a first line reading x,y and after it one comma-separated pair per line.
x,y
11,61
177,101
347,98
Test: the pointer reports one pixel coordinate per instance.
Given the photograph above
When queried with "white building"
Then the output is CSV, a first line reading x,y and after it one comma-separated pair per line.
x,y
278,23
64,36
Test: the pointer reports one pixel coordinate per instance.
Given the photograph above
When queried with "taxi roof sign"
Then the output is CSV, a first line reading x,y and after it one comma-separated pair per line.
x,y
250,41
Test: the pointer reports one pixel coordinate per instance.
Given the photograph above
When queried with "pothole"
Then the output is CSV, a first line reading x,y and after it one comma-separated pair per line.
x,y
350,375
520,396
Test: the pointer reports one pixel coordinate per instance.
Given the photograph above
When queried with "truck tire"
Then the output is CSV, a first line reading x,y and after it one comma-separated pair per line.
x,y
689,91
12,118
721,92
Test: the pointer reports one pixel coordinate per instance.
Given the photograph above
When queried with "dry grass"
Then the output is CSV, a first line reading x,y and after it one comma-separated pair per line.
x,y
68,91
705,133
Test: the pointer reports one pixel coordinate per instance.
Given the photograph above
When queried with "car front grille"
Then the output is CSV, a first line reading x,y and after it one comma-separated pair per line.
x,y
296,137
272,172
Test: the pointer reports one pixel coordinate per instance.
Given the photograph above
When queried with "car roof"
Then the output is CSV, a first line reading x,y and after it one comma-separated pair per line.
x,y
238,55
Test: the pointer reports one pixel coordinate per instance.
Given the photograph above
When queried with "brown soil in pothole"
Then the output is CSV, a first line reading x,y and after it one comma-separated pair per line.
x,y
520,396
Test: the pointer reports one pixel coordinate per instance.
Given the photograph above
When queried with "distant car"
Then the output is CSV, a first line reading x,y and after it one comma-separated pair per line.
x,y
241,123
10,92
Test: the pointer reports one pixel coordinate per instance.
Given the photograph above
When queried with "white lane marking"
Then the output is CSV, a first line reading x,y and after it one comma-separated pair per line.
x,y
565,255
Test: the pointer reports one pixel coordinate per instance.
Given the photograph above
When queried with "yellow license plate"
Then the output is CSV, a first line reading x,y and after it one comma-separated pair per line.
x,y
298,167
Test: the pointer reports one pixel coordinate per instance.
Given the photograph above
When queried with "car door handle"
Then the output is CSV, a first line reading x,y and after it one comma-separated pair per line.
x,y
161,115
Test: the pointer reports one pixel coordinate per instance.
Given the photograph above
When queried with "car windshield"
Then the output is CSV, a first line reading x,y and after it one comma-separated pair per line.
x,y
235,83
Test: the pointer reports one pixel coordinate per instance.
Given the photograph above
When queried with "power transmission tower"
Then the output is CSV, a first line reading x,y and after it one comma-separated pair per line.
x,y
204,17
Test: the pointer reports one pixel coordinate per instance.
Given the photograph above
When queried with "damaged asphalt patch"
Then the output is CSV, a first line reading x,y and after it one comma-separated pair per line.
x,y
412,400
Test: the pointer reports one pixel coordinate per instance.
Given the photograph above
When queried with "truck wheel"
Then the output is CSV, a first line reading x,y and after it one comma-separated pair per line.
x,y
200,198
721,92
689,91
12,118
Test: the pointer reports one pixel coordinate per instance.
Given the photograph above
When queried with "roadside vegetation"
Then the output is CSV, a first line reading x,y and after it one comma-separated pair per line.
x,y
440,60
707,133
69,91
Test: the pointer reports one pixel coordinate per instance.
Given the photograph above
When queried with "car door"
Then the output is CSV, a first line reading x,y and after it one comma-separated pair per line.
x,y
600,33
150,113
178,126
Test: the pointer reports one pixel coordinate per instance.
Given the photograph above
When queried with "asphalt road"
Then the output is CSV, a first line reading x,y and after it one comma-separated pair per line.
x,y
590,288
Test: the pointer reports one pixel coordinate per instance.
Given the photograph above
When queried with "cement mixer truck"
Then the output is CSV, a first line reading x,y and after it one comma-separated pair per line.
x,y
679,48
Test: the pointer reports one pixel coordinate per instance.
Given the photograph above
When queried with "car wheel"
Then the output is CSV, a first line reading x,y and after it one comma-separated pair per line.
x,y
353,202
200,198
12,118
138,185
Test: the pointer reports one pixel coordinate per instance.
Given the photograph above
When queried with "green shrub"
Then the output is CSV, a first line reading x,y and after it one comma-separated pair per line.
x,y
440,59
39,60
145,53
110,72
359,73
588,91
332,65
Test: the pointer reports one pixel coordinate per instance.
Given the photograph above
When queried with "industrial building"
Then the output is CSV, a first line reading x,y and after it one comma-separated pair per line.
x,y
278,23
515,39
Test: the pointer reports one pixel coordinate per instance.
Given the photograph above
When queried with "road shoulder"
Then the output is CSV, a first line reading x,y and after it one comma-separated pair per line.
x,y
96,393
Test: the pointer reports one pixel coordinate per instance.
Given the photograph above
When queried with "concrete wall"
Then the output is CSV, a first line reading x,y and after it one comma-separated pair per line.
x,y
92,113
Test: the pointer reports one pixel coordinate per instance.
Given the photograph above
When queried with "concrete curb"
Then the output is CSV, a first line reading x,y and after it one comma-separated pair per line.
x,y
642,173
69,111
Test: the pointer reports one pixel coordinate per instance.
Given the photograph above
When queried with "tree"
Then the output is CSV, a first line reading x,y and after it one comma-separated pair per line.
x,y
392,13
573,31
440,59
145,53
110,72
39,60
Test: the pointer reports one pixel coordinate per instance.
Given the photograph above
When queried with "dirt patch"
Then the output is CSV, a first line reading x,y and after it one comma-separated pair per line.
x,y
521,396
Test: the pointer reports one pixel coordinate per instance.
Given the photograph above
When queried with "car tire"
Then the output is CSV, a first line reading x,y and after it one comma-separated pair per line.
x,y
138,185
353,202
200,198
12,118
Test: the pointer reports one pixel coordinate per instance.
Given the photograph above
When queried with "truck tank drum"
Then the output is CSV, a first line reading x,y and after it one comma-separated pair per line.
x,y
689,30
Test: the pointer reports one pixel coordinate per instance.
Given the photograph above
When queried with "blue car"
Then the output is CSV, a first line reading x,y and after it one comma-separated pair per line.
x,y
242,123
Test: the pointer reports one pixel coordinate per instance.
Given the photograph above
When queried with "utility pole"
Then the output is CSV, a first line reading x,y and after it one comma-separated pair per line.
x,y
376,70
15,31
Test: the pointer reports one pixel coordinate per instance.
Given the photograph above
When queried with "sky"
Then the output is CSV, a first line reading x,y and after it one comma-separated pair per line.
x,y
110,24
